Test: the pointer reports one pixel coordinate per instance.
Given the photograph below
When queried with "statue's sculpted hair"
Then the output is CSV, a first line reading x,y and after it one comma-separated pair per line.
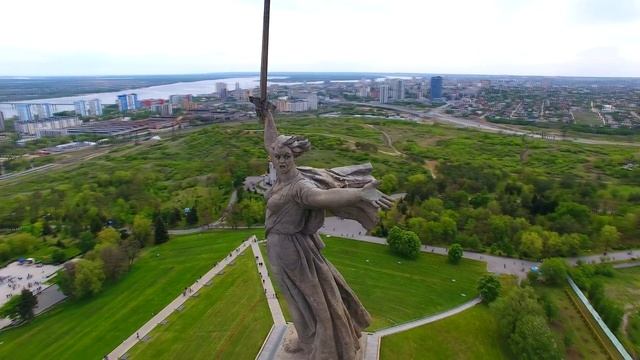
x,y
297,144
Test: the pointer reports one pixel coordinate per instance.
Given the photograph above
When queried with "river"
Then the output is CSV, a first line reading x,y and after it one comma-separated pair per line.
x,y
151,92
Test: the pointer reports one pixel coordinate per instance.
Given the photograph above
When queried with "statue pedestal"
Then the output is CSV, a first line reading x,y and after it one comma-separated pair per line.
x,y
290,337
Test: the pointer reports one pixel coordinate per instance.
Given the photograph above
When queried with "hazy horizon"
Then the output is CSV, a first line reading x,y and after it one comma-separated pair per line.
x,y
585,38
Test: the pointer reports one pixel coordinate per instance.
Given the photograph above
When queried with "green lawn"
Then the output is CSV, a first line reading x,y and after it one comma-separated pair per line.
x,y
587,118
228,320
472,334
395,290
92,328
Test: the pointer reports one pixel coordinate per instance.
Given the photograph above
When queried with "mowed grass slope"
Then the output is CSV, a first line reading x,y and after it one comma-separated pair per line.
x,y
91,328
228,320
395,290
472,334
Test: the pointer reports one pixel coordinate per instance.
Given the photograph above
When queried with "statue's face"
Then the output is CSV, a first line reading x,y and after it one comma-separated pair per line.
x,y
283,160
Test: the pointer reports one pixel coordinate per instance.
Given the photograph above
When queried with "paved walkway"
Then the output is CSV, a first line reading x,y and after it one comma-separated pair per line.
x,y
496,264
270,293
177,303
373,340
274,340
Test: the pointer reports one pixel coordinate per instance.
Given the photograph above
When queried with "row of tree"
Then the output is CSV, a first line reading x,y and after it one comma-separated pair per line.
x,y
110,257
526,216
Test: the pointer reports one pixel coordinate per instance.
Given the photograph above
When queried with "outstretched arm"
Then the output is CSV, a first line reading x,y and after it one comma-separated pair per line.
x,y
337,198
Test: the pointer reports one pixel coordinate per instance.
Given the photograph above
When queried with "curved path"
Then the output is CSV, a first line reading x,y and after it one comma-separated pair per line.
x,y
372,351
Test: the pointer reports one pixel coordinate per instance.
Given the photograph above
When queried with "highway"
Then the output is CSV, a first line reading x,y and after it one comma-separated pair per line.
x,y
438,115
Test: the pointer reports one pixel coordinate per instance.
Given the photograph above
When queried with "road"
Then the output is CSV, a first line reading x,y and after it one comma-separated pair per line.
x,y
438,115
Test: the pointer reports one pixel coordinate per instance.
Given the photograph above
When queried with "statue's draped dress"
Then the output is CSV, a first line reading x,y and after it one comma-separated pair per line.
x,y
326,313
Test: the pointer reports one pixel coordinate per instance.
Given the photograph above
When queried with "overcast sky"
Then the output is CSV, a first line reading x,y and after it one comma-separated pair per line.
x,y
535,37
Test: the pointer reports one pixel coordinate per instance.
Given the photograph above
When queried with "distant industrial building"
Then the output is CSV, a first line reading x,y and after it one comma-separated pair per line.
x,y
122,128
436,88
287,104
53,126
1,121
384,94
127,102
86,108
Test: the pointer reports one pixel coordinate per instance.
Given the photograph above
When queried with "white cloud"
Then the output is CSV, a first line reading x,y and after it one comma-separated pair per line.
x,y
544,37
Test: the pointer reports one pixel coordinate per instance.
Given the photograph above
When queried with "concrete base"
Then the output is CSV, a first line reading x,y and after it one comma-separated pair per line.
x,y
290,337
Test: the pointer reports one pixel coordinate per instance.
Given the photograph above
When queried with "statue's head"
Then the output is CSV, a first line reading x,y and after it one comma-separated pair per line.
x,y
285,149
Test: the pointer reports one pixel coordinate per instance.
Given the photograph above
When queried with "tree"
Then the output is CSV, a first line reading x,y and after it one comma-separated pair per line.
x,y
87,242
10,308
554,270
533,340
518,303
108,236
89,277
404,243
58,256
160,232
389,184
531,245
66,278
608,237
455,253
489,288
20,306
115,262
141,231
27,303
192,216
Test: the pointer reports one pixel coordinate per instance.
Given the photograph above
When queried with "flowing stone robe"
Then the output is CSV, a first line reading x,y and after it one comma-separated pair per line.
x,y
327,315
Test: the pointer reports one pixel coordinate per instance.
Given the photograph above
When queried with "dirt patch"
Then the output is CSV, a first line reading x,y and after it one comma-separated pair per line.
x,y
431,166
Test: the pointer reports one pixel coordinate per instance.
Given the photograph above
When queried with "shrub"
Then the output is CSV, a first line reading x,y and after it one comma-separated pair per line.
x,y
489,288
455,253
404,243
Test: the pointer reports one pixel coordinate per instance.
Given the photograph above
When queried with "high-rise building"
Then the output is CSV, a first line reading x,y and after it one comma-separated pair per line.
x,y
80,107
363,91
436,88
420,92
95,107
384,94
41,111
24,112
221,90
237,86
397,92
127,102
166,109
88,108
1,121
312,99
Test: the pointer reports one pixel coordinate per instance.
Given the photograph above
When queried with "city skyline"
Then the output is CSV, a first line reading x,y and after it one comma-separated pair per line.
x,y
497,37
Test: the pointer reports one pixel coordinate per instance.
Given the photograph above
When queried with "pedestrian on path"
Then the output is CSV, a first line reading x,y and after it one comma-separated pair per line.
x,y
137,335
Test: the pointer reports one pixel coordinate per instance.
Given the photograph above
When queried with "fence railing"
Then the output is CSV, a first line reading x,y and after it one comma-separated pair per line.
x,y
614,340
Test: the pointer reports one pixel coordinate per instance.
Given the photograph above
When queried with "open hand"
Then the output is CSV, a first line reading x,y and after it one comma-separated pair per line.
x,y
371,194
